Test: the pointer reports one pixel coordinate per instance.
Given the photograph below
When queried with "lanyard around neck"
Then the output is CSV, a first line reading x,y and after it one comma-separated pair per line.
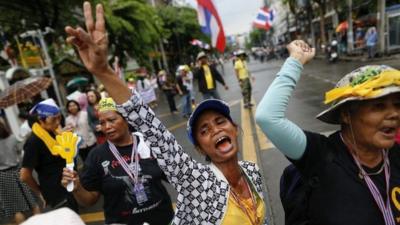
x,y
383,207
132,171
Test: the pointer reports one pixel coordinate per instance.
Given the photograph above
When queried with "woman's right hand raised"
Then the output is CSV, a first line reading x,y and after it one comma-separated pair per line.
x,y
301,51
70,176
91,44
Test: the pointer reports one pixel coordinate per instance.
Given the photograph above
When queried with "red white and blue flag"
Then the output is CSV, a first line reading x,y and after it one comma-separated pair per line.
x,y
211,24
264,18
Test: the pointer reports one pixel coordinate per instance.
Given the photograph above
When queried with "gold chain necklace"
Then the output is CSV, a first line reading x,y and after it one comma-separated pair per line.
x,y
243,208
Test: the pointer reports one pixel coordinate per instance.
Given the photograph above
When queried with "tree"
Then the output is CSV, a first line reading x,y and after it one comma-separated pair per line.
x,y
134,28
180,27
22,15
257,36
133,25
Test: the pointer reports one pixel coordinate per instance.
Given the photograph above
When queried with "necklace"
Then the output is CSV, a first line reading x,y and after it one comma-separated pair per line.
x,y
253,209
384,206
363,173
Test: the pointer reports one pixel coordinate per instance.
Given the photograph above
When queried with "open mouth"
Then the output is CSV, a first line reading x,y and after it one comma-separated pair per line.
x,y
389,131
223,144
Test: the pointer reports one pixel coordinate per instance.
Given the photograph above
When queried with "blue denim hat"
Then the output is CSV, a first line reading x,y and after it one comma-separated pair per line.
x,y
210,104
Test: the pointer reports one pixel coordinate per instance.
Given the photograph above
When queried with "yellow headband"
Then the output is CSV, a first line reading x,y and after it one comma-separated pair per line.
x,y
107,104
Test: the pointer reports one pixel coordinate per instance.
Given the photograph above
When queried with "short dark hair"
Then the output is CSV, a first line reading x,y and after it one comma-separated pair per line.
x,y
72,101
4,132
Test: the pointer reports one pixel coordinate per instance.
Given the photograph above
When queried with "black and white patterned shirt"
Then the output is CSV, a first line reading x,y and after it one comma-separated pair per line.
x,y
203,190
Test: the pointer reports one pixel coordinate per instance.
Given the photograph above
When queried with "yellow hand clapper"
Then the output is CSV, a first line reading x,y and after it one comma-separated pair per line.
x,y
67,148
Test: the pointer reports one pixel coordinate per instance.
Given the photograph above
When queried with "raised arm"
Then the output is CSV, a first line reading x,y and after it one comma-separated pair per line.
x,y
92,48
270,115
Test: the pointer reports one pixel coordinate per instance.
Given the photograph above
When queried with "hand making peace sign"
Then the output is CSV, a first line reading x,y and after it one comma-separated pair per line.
x,y
92,44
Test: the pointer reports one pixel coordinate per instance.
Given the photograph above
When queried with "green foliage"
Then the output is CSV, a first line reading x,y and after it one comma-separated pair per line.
x,y
247,43
133,27
180,27
21,15
256,37
131,76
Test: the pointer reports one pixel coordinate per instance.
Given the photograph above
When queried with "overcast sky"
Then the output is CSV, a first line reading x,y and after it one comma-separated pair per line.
x,y
236,15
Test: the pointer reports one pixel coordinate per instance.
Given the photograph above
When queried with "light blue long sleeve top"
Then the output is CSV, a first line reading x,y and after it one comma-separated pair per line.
x,y
270,115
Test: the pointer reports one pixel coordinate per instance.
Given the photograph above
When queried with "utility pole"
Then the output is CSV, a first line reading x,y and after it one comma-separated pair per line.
x,y
158,59
161,45
310,23
49,65
381,26
164,58
350,35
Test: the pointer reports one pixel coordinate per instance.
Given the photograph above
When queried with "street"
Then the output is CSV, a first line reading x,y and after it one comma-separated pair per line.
x,y
306,103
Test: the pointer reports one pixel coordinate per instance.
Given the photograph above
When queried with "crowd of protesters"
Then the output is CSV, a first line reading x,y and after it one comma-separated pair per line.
x,y
40,178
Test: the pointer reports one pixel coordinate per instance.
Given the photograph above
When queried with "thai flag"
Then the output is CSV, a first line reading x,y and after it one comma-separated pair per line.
x,y
211,24
264,18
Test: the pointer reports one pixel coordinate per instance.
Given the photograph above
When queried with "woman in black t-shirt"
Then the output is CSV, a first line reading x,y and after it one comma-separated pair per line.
x,y
353,175
125,173
39,157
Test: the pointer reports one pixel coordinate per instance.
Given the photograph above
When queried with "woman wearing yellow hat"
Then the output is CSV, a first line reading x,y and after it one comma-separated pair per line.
x,y
353,174
115,169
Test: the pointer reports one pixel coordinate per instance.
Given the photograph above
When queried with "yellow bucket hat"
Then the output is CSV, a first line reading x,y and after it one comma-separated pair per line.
x,y
367,82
